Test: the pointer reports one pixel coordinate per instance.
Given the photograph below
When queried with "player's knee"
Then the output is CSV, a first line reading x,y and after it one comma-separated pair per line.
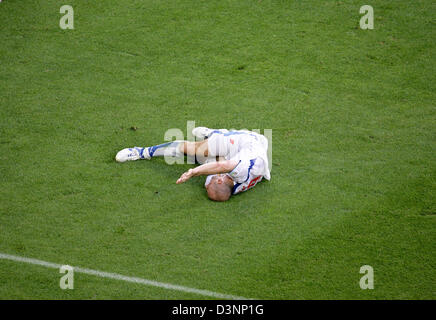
x,y
201,149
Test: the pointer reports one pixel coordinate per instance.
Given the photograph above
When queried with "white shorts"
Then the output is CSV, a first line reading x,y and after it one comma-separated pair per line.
x,y
244,147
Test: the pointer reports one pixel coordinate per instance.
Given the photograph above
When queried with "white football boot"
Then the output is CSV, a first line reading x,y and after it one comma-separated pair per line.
x,y
203,132
132,154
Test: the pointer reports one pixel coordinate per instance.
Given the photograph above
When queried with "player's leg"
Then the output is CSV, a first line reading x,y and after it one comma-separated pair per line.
x,y
178,148
196,148
170,149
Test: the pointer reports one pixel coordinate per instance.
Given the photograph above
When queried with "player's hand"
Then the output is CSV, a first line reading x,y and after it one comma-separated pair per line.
x,y
186,176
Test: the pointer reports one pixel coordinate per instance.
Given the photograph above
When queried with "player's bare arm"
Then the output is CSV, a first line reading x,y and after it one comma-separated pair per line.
x,y
208,168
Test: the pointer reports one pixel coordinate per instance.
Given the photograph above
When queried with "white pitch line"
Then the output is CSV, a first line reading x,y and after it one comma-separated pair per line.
x,y
117,276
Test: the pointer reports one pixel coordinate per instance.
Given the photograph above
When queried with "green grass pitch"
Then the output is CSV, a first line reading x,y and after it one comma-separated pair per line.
x,y
352,114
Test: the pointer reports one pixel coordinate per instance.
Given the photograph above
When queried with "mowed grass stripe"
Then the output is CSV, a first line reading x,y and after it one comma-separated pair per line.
x,y
120,277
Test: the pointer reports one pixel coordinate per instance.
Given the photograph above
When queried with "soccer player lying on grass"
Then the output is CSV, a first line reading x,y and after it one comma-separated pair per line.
x,y
234,161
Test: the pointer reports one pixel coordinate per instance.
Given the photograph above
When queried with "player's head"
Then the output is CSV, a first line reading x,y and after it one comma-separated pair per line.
x,y
219,188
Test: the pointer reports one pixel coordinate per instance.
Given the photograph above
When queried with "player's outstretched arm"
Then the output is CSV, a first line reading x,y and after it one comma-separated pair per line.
x,y
208,168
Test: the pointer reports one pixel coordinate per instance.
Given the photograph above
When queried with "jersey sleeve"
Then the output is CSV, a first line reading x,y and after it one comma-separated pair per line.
x,y
245,167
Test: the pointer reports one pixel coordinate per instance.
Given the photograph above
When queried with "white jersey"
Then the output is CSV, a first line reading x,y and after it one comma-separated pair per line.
x,y
246,147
